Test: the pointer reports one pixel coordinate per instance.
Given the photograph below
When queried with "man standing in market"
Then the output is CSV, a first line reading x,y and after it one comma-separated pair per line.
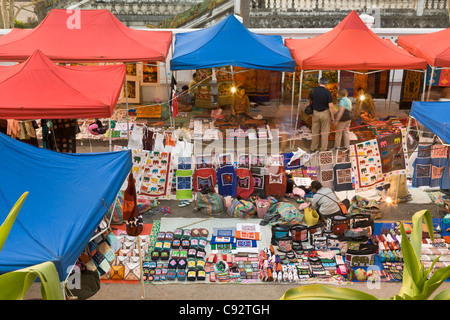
x,y
323,115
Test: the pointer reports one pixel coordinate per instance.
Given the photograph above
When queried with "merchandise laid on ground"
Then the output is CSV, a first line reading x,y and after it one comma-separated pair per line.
x,y
256,223
355,249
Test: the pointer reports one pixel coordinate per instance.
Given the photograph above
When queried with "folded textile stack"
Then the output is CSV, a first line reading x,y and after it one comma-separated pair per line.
x,y
223,240
247,237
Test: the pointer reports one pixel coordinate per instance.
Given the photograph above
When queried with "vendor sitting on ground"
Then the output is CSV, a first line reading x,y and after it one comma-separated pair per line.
x,y
324,201
364,102
241,102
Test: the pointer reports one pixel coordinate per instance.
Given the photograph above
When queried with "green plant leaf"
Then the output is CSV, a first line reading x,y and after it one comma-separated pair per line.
x,y
436,280
14,285
323,292
412,268
443,295
6,226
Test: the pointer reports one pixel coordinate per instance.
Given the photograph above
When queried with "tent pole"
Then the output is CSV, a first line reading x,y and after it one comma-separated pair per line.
x,y
168,97
110,135
298,106
292,99
126,101
424,89
431,81
140,263
392,85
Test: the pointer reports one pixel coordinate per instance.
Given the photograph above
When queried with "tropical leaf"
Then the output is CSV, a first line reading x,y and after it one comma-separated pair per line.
x,y
14,285
6,226
443,295
323,292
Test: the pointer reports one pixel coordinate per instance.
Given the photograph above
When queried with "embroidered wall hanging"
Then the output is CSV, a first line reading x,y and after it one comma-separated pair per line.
x,y
158,176
343,171
392,153
422,167
258,182
184,184
366,165
245,184
439,156
204,178
227,181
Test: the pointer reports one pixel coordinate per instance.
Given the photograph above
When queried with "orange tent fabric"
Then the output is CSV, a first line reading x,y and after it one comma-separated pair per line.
x,y
40,89
351,45
433,47
85,36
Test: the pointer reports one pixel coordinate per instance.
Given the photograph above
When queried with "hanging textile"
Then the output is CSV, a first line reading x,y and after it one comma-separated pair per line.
x,y
245,185
276,183
422,167
366,164
227,181
342,171
204,178
258,176
393,153
183,184
439,156
326,172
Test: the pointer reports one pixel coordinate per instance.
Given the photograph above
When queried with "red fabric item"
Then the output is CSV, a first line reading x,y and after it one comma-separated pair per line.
x,y
130,209
205,176
276,182
351,45
245,184
39,89
433,47
174,104
86,36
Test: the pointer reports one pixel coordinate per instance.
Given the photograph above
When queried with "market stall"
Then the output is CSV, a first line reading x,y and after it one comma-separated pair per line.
x,y
65,204
434,48
89,37
350,46
236,56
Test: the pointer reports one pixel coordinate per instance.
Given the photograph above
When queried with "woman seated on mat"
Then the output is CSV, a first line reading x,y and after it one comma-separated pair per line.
x,y
324,201
241,102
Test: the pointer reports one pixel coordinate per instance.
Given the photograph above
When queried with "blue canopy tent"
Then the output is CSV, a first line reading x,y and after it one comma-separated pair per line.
x,y
433,115
230,43
69,195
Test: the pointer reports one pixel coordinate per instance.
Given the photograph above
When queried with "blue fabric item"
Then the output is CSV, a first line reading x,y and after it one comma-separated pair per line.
x,y
227,181
438,165
433,115
422,172
69,194
229,42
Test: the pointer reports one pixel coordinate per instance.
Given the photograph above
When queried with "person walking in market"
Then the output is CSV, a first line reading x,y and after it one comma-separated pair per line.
x,y
323,115
342,120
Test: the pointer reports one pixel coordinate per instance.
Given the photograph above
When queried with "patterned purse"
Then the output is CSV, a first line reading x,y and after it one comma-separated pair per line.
x,y
132,271
117,272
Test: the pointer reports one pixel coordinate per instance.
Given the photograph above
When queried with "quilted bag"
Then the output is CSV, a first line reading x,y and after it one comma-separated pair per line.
x,y
242,209
132,271
117,272
211,204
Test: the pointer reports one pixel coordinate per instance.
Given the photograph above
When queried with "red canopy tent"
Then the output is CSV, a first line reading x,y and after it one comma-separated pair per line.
x,y
38,88
433,47
351,45
85,36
